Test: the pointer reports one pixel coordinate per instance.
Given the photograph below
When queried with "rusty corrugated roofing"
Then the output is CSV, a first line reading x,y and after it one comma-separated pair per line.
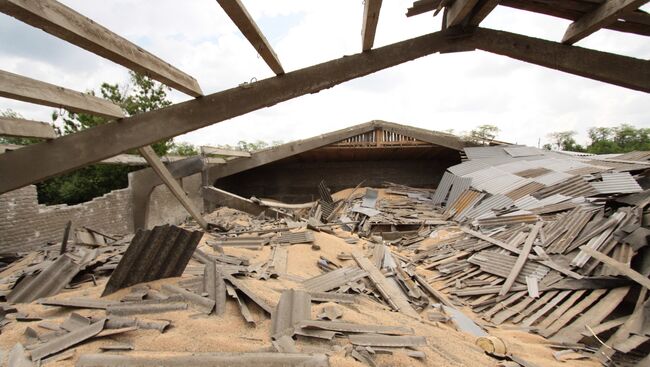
x,y
154,254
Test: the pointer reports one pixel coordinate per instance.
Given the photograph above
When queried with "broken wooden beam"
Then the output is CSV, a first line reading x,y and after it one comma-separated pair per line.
x,y
66,24
371,9
606,13
521,260
618,266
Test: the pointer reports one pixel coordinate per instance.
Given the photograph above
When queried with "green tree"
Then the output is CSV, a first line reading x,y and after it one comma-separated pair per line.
x,y
184,149
564,140
483,134
140,94
621,139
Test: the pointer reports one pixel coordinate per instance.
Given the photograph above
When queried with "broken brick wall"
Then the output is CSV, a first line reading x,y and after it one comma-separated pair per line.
x,y
26,224
164,207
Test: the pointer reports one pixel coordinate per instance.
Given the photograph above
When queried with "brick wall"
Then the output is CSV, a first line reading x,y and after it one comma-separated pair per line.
x,y
25,224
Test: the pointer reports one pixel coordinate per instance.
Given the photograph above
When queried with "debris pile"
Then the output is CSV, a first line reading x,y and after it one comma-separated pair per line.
x,y
534,259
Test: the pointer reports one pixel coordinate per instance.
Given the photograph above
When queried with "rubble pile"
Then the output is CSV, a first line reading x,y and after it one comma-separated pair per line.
x,y
525,260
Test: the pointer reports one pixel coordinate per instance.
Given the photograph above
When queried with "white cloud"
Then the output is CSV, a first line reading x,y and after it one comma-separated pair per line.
x,y
450,91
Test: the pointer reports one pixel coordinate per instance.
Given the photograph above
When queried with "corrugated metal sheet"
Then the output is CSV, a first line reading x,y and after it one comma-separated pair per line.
x,y
333,279
387,340
491,203
468,167
575,186
523,151
47,283
159,253
465,202
552,178
296,237
517,166
506,220
616,183
294,306
496,181
486,152
349,327
451,185
67,340
208,359
501,264
524,190
533,172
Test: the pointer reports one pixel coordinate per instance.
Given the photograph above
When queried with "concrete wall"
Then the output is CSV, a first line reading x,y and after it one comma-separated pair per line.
x,y
164,208
294,181
25,224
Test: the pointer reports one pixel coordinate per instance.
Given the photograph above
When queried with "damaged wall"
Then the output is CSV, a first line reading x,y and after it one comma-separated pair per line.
x,y
295,180
25,224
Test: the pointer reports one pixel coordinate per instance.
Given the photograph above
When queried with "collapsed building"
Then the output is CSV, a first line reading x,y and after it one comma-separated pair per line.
x,y
380,244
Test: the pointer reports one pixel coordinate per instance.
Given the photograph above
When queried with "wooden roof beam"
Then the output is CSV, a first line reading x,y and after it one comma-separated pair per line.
x,y
26,128
624,71
40,161
458,11
481,11
65,23
371,10
605,14
25,89
243,20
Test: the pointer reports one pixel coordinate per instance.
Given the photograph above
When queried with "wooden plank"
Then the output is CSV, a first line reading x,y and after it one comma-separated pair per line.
x,y
482,10
547,307
25,89
521,260
171,183
26,128
205,150
572,312
91,145
504,315
605,352
491,240
503,304
561,309
607,325
243,20
607,13
619,266
458,11
392,295
623,71
593,317
371,10
65,23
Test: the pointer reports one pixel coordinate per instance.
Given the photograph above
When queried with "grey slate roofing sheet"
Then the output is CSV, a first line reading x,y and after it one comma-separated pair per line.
x,y
294,306
78,303
616,183
348,327
265,359
67,340
47,283
333,279
154,254
523,151
296,237
388,340
493,202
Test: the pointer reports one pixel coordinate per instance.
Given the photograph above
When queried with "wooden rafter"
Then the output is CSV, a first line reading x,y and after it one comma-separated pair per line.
x,y
370,19
607,13
26,128
30,90
65,23
627,72
243,20
482,10
113,138
458,11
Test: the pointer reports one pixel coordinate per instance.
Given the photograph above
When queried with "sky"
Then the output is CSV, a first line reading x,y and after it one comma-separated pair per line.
x,y
456,91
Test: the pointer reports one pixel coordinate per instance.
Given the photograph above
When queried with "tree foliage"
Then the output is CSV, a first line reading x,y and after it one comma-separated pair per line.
x,y
603,140
140,94
483,134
